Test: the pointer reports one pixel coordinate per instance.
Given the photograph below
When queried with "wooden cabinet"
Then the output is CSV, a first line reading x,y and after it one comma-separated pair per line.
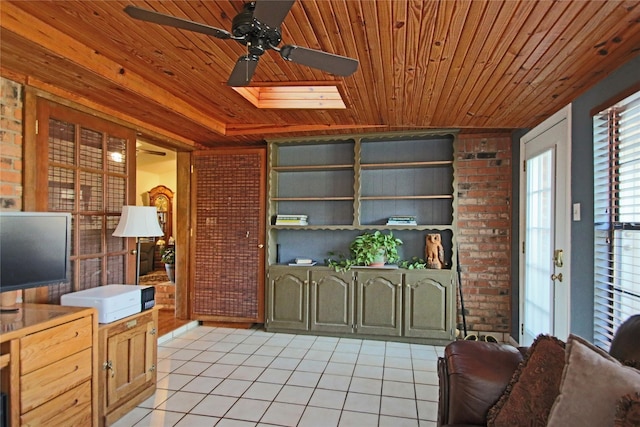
x,y
128,357
379,303
396,304
332,297
49,362
161,197
346,185
429,305
288,298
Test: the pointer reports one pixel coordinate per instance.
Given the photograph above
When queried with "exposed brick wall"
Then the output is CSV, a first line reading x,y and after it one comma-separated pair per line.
x,y
10,145
484,230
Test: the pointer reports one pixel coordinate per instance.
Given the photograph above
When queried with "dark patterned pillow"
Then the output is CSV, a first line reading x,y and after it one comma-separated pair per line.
x,y
628,411
632,363
533,388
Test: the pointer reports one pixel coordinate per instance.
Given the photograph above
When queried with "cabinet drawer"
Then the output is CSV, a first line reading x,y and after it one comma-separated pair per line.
x,y
49,346
72,408
46,383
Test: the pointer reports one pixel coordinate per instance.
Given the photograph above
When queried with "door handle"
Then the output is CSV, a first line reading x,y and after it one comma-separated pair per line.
x,y
557,277
558,256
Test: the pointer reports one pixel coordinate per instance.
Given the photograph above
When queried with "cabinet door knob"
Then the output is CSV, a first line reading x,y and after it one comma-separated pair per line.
x,y
108,365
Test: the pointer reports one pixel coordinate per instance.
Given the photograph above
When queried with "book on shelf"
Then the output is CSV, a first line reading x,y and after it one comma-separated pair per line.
x,y
402,220
288,222
292,220
302,262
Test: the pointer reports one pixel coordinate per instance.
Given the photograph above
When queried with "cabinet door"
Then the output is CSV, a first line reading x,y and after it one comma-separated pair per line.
x,y
379,303
331,301
131,358
428,305
288,298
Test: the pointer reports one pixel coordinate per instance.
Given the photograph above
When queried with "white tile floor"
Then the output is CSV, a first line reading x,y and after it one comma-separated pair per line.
x,y
233,377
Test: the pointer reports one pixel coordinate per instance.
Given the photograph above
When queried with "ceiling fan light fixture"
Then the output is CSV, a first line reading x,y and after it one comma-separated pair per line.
x,y
257,26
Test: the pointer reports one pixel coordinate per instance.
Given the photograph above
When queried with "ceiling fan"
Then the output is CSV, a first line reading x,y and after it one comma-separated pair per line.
x,y
152,152
257,27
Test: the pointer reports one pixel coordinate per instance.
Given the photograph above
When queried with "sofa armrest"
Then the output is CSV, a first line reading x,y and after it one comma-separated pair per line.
x,y
472,376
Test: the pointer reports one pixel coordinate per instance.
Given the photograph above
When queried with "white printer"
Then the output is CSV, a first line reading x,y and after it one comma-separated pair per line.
x,y
113,302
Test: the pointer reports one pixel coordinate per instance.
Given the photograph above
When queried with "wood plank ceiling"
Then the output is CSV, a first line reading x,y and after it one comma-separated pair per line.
x,y
423,64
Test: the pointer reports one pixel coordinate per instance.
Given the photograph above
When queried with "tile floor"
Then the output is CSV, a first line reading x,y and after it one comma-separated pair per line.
x,y
232,377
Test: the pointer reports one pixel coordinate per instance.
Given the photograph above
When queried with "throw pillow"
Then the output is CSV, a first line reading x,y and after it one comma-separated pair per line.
x,y
533,388
592,382
628,411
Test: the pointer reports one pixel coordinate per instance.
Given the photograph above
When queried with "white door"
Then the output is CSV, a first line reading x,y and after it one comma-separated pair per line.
x,y
545,229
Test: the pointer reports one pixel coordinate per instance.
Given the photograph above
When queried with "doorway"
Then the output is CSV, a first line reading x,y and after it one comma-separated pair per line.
x,y
156,168
545,229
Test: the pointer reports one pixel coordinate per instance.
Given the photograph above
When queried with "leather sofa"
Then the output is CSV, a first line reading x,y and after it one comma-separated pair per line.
x,y
473,375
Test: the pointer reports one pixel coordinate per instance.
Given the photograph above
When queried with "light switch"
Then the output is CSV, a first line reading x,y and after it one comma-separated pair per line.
x,y
576,211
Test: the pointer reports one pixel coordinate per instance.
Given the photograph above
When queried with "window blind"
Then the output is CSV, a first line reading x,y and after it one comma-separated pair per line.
x,y
616,132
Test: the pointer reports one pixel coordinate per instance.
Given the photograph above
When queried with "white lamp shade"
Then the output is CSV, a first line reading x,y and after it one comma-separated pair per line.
x,y
138,221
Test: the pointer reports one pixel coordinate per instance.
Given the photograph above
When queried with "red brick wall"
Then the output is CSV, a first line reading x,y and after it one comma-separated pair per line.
x,y
483,172
10,145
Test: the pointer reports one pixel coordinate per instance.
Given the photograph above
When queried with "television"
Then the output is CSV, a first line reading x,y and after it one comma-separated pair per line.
x,y
34,249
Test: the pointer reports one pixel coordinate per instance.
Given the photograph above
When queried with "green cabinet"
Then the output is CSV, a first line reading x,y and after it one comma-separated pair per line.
x,y
379,303
288,298
344,185
332,296
429,305
397,304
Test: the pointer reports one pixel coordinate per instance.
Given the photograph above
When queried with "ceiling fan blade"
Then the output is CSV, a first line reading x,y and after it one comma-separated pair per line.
x,y
243,71
172,21
155,153
272,12
329,62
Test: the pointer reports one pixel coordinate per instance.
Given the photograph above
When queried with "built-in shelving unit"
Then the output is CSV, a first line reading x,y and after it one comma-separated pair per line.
x,y
344,187
355,183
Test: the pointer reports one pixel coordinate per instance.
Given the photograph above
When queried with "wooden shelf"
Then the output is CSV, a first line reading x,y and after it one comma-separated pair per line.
x,y
432,197
311,168
311,199
350,184
406,165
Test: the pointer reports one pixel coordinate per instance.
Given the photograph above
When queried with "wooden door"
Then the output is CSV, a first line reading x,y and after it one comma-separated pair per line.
x,y
228,235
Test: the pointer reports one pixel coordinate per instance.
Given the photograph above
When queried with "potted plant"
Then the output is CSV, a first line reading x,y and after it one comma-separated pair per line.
x,y
169,259
369,249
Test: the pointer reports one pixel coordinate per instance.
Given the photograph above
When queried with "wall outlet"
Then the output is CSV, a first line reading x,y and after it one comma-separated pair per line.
x,y
576,211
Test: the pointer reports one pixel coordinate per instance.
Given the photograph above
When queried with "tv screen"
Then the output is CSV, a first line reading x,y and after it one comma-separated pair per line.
x,y
34,249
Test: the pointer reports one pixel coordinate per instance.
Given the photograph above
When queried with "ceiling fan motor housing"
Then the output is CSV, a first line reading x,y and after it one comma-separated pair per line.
x,y
258,37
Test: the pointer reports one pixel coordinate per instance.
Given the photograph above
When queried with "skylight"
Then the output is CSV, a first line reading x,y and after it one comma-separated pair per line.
x,y
293,97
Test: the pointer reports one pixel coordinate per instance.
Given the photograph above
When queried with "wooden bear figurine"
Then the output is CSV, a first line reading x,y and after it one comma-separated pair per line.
x,y
434,253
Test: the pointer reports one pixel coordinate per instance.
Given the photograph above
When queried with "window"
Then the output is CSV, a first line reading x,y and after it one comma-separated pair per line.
x,y
616,133
87,175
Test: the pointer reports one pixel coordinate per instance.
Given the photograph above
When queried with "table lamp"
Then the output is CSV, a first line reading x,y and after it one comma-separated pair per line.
x,y
138,221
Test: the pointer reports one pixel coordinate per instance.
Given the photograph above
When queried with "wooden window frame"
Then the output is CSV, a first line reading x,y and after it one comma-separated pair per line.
x,y
37,112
